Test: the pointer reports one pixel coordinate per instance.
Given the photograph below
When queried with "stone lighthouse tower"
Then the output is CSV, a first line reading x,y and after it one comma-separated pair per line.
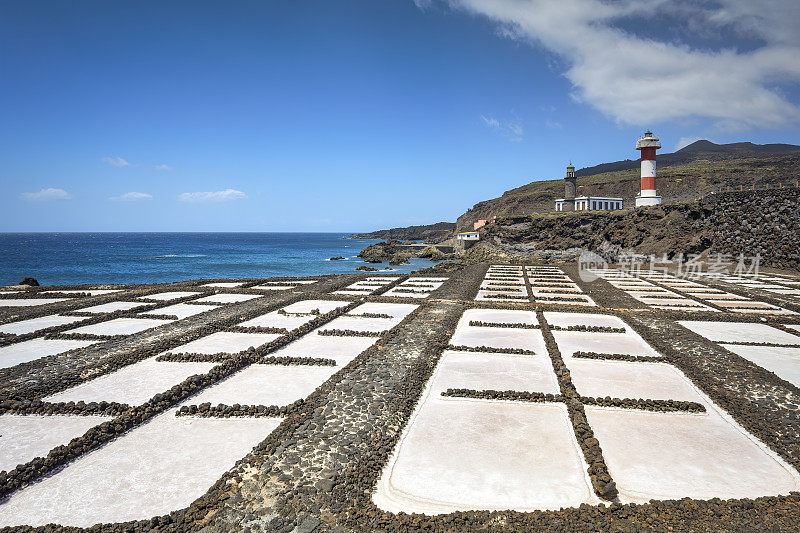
x,y
648,145
570,188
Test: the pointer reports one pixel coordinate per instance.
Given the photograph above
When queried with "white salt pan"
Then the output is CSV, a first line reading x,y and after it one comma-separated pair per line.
x,y
35,324
133,384
783,362
584,319
30,350
341,349
158,467
225,342
493,371
173,295
24,437
739,332
675,455
629,343
462,455
121,326
265,385
224,298
181,310
622,379
28,302
110,307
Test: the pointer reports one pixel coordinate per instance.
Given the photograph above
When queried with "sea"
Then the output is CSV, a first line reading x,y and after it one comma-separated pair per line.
x,y
101,258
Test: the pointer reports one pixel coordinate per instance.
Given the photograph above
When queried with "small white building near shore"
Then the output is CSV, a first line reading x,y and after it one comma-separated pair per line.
x,y
469,236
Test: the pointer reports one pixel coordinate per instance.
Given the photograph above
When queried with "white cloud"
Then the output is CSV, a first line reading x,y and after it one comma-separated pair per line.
x,y
212,196
163,167
116,162
553,124
491,122
132,197
47,195
511,130
638,80
423,4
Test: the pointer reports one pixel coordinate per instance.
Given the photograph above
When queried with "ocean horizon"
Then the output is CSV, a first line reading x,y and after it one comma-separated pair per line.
x,y
71,258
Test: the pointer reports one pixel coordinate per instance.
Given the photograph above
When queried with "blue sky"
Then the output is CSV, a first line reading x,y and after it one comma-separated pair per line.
x,y
360,114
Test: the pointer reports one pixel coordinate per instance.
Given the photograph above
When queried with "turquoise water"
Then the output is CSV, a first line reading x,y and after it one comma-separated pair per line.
x,y
73,258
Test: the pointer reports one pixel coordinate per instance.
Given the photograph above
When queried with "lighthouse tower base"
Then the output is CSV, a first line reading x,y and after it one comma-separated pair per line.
x,y
644,201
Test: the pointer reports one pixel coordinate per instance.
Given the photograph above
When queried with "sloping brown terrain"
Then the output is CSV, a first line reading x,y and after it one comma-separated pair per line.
x,y
766,223
685,175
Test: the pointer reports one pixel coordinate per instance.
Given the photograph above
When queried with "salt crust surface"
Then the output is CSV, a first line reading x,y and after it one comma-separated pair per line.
x,y
584,319
133,384
30,350
172,295
24,437
158,467
739,332
628,343
623,379
223,298
225,341
265,385
493,371
35,324
341,349
181,310
527,339
121,326
29,302
467,454
674,455
783,362
225,284
110,307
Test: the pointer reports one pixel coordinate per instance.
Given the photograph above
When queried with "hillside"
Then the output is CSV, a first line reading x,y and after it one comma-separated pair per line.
x,y
438,231
763,222
693,171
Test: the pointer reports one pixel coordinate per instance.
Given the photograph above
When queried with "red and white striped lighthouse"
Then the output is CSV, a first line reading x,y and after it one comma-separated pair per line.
x,y
648,145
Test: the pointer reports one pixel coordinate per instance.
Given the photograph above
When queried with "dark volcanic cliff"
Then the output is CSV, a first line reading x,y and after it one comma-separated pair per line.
x,y
431,232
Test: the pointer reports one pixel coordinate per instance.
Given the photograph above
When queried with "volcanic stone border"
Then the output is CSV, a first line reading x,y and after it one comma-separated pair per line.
x,y
348,333
258,329
602,481
518,325
589,329
511,395
666,406
619,357
205,410
291,361
490,349
39,407
187,357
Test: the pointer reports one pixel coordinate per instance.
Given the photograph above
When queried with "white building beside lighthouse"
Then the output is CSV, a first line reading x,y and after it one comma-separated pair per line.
x,y
648,145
